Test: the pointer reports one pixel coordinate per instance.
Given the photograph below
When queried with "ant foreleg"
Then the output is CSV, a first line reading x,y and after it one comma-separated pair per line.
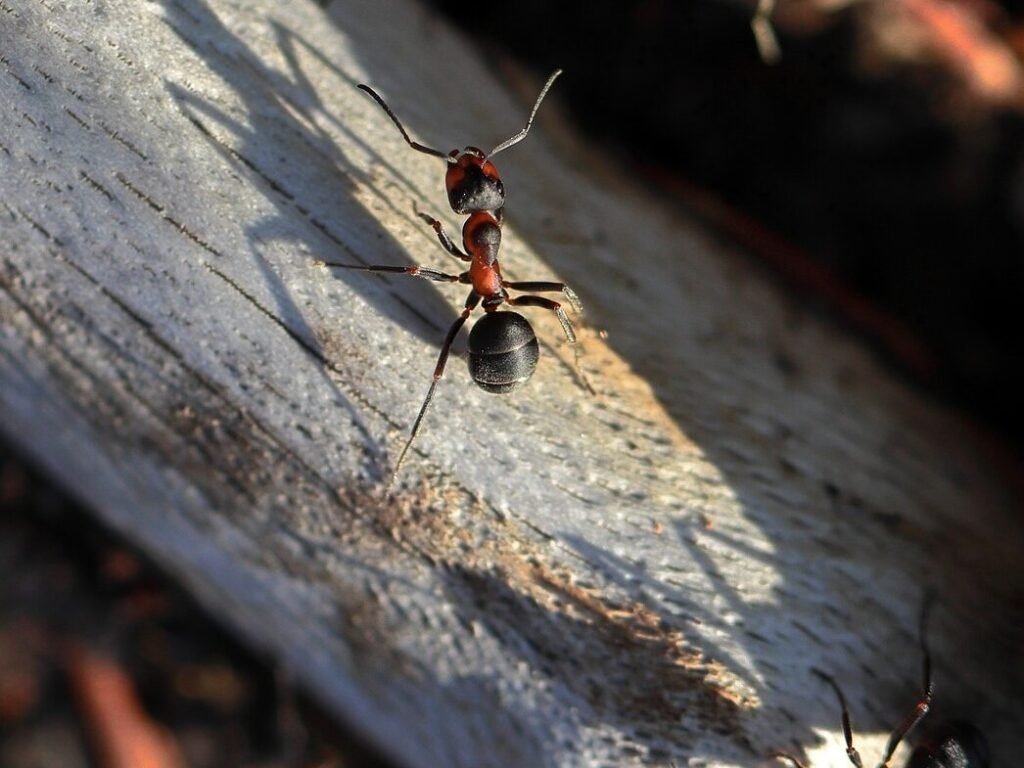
x,y
446,241
544,287
554,306
471,301
414,271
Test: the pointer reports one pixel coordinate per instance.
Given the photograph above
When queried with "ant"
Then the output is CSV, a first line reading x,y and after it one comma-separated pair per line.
x,y
503,348
953,744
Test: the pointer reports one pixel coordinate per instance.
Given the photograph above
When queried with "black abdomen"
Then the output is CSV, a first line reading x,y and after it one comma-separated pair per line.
x,y
503,351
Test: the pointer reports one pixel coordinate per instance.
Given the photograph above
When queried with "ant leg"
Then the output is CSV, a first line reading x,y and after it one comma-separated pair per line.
x,y
414,271
471,301
446,241
924,703
570,334
544,287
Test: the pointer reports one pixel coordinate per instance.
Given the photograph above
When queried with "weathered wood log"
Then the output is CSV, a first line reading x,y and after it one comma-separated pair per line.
x,y
560,579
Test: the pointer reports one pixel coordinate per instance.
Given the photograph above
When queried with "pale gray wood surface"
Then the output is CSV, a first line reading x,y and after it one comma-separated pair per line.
x,y
625,579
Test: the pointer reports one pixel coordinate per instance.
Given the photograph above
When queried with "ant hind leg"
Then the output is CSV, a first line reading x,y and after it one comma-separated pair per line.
x,y
442,359
554,306
541,286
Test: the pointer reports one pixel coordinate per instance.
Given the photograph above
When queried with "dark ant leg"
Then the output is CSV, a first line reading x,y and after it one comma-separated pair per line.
x,y
414,271
570,334
471,301
543,287
446,241
924,703
851,752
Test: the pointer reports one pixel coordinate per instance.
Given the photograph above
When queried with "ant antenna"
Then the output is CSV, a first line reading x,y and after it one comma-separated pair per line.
x,y
916,714
394,118
926,611
522,134
924,703
851,751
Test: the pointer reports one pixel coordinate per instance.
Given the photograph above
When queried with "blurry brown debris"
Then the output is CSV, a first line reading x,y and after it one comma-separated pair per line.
x,y
21,669
958,34
121,733
971,41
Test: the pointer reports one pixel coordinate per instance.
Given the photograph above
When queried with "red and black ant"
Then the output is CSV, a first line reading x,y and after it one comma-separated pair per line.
x,y
953,744
503,349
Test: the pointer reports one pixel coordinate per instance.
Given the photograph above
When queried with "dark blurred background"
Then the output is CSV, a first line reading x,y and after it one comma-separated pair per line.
x,y
877,168
106,663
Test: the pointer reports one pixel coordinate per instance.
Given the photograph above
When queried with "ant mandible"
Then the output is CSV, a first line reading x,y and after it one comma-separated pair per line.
x,y
503,349
953,744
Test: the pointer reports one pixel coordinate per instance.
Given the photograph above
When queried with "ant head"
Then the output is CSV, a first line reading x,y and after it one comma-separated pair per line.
x,y
473,182
503,351
955,743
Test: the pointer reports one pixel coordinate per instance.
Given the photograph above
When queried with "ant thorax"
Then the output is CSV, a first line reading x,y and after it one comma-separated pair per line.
x,y
481,237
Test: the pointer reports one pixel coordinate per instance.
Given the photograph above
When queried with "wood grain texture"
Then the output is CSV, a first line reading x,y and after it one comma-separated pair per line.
x,y
626,579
